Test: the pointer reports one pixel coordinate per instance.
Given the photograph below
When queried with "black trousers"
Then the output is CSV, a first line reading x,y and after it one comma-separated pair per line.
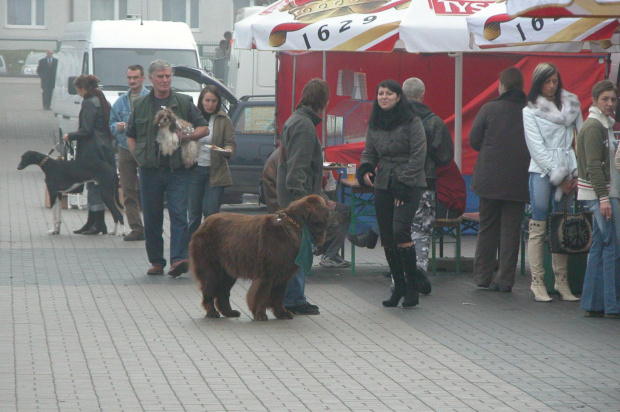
x,y
395,221
47,97
500,226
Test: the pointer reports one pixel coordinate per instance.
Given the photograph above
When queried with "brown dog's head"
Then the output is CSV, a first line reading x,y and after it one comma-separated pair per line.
x,y
165,119
311,210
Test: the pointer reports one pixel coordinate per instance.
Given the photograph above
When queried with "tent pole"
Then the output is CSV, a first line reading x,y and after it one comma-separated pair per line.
x,y
458,109
294,82
275,114
324,122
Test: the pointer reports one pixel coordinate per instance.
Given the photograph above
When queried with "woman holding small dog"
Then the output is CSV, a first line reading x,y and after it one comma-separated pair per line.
x,y
211,175
550,121
393,163
93,142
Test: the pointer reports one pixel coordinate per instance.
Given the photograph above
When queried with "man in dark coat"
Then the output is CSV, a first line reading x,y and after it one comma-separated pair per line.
x,y
300,172
500,179
47,72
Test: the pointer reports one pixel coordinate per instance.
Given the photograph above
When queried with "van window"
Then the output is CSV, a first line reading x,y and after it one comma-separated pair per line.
x,y
110,64
256,120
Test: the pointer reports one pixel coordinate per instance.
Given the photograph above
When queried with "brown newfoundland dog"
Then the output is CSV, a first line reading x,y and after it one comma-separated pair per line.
x,y
263,248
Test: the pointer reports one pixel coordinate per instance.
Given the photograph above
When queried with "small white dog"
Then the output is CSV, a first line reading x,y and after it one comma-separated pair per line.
x,y
167,124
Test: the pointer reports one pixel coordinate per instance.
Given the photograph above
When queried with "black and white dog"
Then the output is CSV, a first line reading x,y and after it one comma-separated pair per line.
x,y
167,124
62,176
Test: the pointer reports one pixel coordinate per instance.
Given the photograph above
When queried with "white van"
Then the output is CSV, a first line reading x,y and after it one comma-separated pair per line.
x,y
106,48
251,72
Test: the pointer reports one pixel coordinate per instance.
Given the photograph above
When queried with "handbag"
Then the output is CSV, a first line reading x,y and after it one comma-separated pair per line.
x,y
570,233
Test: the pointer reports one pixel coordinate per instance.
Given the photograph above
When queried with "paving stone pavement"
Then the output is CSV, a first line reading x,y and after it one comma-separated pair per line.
x,y
84,329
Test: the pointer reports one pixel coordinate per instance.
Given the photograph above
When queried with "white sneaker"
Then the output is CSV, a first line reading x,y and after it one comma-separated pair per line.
x,y
335,262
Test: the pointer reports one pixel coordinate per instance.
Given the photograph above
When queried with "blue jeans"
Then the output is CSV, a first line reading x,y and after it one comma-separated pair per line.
x,y
295,290
203,200
174,184
542,193
93,197
601,286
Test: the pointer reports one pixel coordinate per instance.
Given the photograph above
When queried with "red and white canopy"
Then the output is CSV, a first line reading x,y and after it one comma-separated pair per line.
x,y
422,26
493,27
563,8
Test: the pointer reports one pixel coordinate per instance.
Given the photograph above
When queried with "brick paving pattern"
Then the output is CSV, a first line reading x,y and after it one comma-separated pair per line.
x,y
84,329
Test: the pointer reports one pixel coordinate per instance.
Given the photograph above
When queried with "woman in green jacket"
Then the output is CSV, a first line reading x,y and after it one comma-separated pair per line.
x,y
211,175
599,189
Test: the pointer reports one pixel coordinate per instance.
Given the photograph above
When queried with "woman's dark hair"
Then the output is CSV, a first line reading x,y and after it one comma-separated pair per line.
x,y
541,73
602,87
315,95
397,115
90,83
213,90
87,82
512,79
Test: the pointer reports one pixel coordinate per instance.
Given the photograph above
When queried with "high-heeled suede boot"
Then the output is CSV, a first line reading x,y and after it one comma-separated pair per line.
x,y
99,226
90,221
535,250
412,291
560,269
396,267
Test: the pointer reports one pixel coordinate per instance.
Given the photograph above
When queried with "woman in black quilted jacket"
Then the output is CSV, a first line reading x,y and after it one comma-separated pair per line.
x,y
393,163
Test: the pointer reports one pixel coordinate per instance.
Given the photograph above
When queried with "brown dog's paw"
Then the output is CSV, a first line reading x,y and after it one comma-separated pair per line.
x,y
213,314
260,316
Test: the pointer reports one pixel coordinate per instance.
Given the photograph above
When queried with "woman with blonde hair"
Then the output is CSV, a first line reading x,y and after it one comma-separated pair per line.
x,y
550,120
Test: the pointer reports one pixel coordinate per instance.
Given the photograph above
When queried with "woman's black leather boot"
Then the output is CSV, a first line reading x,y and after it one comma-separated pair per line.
x,y
396,267
99,226
412,292
90,221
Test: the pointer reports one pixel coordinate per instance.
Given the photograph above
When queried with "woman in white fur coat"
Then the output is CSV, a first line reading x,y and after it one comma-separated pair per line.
x,y
551,120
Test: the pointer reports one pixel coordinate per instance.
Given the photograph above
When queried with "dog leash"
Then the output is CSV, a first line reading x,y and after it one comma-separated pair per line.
x,y
68,148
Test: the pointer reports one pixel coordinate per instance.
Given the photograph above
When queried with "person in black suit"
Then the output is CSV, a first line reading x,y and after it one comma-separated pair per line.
x,y
47,72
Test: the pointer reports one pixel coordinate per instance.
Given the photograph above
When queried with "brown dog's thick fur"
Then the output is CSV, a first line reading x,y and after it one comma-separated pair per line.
x,y
263,248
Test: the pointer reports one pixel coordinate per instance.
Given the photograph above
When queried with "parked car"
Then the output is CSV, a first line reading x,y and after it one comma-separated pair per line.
x,y
253,119
3,68
32,61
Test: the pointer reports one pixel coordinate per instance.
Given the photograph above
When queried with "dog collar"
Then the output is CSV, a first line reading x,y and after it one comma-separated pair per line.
x,y
283,215
44,160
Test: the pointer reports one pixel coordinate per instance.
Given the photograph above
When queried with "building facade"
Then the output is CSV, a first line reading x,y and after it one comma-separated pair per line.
x,y
38,24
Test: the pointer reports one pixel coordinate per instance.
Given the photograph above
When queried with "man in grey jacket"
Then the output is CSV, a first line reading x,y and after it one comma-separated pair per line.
x,y
436,130
300,172
127,164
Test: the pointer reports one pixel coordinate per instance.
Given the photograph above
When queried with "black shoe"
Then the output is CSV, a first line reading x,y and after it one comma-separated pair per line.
x,y
424,284
594,314
99,226
133,236
497,288
178,268
365,239
90,221
305,309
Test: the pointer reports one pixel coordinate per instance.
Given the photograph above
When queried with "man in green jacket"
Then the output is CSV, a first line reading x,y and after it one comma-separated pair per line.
x,y
162,175
300,172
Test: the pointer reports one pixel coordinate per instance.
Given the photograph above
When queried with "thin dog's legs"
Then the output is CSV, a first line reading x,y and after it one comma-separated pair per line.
x,y
107,195
56,201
